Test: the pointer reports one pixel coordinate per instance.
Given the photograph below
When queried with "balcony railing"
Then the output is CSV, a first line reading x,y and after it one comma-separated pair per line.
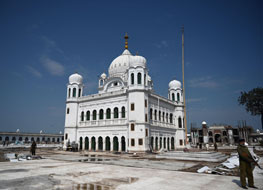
x,y
161,124
105,122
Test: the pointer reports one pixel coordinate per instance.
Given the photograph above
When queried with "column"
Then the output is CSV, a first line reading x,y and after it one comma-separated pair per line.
x,y
97,144
111,144
120,147
90,144
104,144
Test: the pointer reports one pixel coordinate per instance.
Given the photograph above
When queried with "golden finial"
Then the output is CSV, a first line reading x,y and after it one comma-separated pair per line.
x,y
126,40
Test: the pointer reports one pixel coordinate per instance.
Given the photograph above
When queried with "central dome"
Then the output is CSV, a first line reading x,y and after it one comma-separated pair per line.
x,y
120,64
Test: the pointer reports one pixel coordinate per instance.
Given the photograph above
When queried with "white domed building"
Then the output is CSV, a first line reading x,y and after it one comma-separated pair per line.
x,y
126,114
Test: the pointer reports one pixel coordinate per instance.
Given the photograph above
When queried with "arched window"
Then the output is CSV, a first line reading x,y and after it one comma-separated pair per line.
x,y
66,136
69,90
171,118
178,97
79,92
74,92
132,78
139,78
151,113
88,115
94,115
160,115
155,114
123,112
82,116
144,79
173,97
101,113
166,117
163,116
108,113
180,122
116,112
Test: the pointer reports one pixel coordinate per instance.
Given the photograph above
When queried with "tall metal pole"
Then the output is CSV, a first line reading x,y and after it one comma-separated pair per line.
x,y
185,122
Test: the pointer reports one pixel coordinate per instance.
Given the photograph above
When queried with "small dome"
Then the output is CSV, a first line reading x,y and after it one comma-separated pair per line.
x,y
138,61
75,78
203,123
103,76
174,84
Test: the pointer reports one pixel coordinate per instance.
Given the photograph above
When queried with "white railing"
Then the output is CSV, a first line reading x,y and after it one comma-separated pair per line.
x,y
105,122
161,124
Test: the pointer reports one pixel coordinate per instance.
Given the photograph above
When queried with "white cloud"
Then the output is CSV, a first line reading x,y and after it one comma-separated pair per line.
x,y
203,82
33,71
51,45
52,66
162,44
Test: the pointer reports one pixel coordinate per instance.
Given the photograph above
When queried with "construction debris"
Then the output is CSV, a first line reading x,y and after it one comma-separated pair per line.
x,y
229,167
12,157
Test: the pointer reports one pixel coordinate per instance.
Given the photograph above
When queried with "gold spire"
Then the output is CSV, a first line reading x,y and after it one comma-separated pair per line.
x,y
126,40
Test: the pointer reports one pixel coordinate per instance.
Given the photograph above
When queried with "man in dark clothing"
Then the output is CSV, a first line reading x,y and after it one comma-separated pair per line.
x,y
215,147
33,148
245,161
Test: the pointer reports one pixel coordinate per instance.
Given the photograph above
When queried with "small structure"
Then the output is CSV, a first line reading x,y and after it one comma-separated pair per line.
x,y
221,134
19,137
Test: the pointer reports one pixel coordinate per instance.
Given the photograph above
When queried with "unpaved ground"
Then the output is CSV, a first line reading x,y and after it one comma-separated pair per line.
x,y
64,170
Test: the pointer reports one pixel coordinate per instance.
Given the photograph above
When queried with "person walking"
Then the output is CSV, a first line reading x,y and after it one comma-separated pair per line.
x,y
33,148
245,165
215,147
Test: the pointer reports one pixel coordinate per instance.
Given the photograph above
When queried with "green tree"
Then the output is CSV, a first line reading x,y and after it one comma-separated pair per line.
x,y
253,101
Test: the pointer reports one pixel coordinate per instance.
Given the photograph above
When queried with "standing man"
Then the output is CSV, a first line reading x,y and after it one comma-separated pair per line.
x,y
33,148
215,147
245,162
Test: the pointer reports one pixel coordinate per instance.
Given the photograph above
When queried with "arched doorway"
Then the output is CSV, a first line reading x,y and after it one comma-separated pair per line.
x,y
93,143
38,139
32,139
161,139
86,143
100,143
172,143
26,139
13,139
107,143
164,142
152,139
211,140
6,138
217,138
80,143
20,139
168,143
123,144
115,144
156,143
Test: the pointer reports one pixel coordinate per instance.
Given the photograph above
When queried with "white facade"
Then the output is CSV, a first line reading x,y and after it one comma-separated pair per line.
x,y
125,114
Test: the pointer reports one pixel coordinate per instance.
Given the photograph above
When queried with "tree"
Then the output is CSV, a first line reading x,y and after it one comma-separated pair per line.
x,y
253,100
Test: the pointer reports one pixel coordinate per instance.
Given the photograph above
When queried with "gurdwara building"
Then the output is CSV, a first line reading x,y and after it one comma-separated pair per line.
x,y
126,114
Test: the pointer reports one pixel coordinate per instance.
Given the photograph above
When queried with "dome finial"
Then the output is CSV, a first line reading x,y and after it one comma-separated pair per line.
x,y
126,37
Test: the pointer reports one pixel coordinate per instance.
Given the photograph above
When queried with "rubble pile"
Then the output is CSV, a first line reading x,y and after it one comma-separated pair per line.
x,y
229,167
12,157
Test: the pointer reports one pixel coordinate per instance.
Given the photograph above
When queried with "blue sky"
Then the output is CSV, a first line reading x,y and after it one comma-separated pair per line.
x,y
43,42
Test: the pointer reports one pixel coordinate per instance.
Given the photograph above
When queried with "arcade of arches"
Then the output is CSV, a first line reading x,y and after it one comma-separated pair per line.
x,y
120,143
